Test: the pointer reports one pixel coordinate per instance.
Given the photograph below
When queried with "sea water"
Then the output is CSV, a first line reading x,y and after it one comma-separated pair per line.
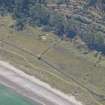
x,y
8,97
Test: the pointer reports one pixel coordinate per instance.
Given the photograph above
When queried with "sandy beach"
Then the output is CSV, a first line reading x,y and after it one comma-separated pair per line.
x,y
33,88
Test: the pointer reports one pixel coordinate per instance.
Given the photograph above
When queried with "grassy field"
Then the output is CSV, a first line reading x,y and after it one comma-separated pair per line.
x,y
64,67
8,97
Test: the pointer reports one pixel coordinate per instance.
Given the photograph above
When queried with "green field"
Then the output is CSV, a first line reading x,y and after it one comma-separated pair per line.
x,y
8,97
76,73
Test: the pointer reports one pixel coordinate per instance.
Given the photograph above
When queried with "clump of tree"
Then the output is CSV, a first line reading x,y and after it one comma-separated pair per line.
x,y
99,4
59,2
94,40
91,2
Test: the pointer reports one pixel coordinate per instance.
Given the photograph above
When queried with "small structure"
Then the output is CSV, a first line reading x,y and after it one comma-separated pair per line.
x,y
39,57
43,37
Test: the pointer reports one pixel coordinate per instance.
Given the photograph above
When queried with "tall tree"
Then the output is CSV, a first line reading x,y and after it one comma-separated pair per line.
x,y
67,3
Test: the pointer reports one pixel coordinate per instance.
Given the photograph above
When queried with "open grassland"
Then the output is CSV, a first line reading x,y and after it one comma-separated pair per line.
x,y
63,66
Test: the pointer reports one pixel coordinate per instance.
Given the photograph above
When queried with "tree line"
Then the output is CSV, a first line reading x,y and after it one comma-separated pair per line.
x,y
35,12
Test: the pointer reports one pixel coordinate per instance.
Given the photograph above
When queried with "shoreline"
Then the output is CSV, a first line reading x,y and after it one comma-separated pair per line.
x,y
10,88
18,91
40,83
